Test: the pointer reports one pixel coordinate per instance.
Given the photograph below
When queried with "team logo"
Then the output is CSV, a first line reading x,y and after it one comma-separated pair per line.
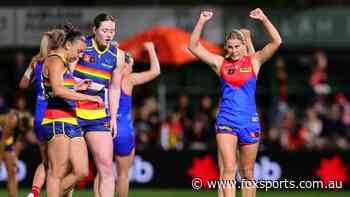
x,y
86,58
92,59
89,58
231,71
245,69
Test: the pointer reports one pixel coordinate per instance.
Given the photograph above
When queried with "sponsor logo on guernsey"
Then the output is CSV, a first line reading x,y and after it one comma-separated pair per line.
x,y
107,65
224,128
245,69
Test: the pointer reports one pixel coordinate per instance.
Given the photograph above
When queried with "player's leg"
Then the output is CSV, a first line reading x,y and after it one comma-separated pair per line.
x,y
101,146
221,168
227,150
246,168
248,153
10,164
69,193
41,170
58,156
9,153
79,162
19,144
40,173
124,151
96,185
123,166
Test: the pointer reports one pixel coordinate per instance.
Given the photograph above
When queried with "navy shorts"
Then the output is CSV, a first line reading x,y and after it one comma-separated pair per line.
x,y
248,135
50,130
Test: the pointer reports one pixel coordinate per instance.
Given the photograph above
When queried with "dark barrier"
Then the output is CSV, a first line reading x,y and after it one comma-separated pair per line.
x,y
160,169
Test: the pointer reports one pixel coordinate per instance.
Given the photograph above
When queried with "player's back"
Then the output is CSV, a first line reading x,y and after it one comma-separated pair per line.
x,y
125,111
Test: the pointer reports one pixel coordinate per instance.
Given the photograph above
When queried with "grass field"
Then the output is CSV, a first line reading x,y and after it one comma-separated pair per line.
x,y
186,193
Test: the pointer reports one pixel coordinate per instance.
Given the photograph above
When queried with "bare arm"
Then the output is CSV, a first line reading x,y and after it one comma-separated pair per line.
x,y
27,76
153,72
266,53
198,50
55,70
248,41
114,87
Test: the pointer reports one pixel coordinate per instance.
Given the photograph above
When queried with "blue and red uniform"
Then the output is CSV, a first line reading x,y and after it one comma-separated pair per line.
x,y
41,102
237,113
97,66
60,116
124,142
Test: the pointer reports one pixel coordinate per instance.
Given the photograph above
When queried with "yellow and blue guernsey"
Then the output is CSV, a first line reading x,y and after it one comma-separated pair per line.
x,y
60,115
8,145
97,66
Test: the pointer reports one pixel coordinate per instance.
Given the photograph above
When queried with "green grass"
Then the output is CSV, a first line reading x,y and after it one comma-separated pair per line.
x,y
188,193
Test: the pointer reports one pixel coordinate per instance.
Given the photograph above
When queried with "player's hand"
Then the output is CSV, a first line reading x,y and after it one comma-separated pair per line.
x,y
258,14
206,16
148,46
129,60
83,85
246,33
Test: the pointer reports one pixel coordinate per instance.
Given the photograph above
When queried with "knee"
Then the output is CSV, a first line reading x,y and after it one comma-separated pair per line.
x,y
247,172
58,171
11,172
123,173
105,168
81,173
229,170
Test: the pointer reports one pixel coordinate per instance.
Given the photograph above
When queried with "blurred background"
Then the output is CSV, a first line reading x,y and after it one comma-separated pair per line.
x,y
303,92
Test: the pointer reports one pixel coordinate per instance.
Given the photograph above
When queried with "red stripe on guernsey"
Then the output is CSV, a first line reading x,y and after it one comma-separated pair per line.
x,y
237,72
58,113
88,105
69,80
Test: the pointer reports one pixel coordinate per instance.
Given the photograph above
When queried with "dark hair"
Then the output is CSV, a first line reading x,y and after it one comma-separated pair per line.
x,y
103,17
71,34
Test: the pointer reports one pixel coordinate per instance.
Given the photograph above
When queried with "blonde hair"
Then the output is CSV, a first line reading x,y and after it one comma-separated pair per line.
x,y
49,41
235,34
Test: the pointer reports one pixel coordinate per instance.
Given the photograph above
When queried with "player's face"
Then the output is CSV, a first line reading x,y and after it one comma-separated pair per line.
x,y
76,50
235,48
105,33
